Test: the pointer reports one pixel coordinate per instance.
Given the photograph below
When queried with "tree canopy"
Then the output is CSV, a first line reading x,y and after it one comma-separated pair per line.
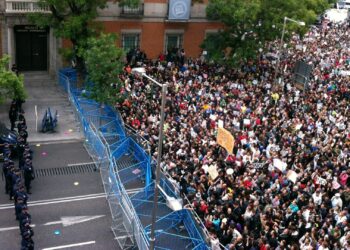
x,y
250,23
11,85
103,62
74,20
71,20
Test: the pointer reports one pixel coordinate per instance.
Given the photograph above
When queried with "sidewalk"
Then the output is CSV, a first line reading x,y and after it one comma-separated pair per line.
x,y
43,92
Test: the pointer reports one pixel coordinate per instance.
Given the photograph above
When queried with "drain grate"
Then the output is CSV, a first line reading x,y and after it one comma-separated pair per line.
x,y
125,161
70,169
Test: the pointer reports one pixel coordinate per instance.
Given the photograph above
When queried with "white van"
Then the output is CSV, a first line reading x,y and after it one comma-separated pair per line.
x,y
343,4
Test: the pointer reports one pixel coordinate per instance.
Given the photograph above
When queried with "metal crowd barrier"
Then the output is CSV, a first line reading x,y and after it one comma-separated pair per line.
x,y
123,158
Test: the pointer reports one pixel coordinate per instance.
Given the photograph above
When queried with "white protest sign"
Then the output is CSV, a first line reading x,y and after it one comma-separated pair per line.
x,y
280,165
292,176
213,172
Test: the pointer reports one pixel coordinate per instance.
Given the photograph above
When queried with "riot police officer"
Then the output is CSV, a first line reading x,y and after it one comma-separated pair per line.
x,y
24,134
24,218
21,194
5,171
12,177
27,229
27,153
19,205
20,125
20,150
28,174
27,242
13,115
6,150
21,116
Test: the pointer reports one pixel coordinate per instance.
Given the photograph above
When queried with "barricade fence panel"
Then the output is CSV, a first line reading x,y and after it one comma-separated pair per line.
x,y
122,157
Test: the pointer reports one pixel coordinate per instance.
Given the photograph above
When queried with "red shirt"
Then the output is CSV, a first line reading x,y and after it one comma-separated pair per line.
x,y
258,121
247,184
136,123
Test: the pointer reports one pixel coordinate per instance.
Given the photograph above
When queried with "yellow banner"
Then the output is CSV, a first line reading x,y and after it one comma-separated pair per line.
x,y
225,139
206,106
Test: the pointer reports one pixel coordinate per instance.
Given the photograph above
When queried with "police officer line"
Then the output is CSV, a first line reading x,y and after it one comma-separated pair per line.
x,y
68,199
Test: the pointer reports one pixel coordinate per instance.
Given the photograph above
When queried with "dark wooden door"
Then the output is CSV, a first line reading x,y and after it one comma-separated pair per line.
x,y
23,51
39,51
31,48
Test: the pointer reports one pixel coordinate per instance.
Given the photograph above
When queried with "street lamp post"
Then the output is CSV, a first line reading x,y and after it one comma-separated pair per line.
x,y
142,72
281,44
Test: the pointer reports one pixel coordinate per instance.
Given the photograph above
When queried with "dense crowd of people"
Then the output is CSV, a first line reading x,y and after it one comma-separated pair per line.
x,y
18,179
252,203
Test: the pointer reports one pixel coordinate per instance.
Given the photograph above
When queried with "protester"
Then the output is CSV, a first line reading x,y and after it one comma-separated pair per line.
x,y
279,129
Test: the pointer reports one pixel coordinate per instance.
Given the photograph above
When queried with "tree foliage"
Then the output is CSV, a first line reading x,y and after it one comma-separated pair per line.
x,y
129,3
104,64
70,19
74,20
250,23
11,85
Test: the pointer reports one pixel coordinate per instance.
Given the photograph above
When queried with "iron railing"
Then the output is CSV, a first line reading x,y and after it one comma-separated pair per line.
x,y
132,11
25,6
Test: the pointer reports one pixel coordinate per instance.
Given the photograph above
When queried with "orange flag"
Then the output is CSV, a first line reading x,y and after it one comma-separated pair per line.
x,y
225,139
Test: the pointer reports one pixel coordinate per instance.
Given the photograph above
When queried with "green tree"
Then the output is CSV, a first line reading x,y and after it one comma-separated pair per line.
x,y
104,63
250,23
74,20
11,85
71,20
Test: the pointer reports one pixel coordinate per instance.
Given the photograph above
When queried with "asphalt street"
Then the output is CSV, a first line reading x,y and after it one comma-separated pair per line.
x,y
44,92
68,207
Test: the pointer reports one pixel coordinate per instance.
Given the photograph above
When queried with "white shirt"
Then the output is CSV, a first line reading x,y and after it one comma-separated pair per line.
x,y
317,198
337,202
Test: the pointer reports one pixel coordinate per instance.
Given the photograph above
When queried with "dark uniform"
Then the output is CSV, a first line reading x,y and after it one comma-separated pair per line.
x,y
5,170
19,206
24,218
24,134
13,116
21,118
27,243
27,230
19,103
16,181
11,178
20,151
21,198
6,150
28,154
21,125
28,174
21,194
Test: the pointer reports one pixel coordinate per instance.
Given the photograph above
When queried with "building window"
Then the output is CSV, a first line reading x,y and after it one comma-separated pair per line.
x,y
211,33
130,41
173,41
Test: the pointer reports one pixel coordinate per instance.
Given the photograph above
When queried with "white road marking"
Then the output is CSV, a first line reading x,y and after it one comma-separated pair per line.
x,y
3,229
71,245
71,220
121,237
79,164
55,201
8,228
76,140
53,223
67,199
